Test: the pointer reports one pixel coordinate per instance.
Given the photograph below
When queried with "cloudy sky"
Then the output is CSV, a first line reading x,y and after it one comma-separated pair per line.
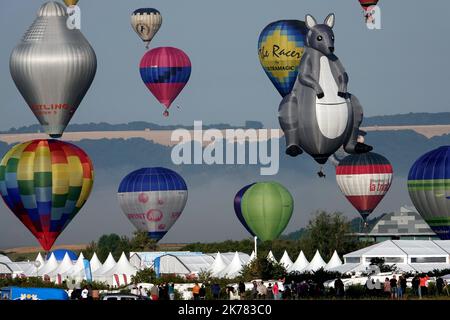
x,y
399,69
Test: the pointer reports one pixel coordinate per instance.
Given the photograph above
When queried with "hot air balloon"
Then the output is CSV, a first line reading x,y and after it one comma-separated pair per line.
x,y
367,5
146,23
153,199
53,68
238,210
364,179
280,48
45,183
165,71
267,208
429,189
71,2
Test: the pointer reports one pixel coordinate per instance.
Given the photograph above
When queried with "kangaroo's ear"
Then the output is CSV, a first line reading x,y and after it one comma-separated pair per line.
x,y
310,21
329,20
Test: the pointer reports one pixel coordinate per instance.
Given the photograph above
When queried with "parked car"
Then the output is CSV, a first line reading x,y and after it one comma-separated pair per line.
x,y
123,297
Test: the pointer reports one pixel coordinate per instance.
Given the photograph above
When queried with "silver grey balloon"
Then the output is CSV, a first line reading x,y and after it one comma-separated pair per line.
x,y
319,115
53,67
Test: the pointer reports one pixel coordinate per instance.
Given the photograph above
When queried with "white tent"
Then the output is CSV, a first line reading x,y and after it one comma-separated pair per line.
x,y
184,264
334,262
66,265
108,265
95,263
228,257
50,265
4,259
121,273
77,273
316,263
252,257
218,265
233,269
300,264
286,260
40,259
271,257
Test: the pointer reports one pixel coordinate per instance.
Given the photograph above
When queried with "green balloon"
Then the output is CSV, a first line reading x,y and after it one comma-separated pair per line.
x,y
267,208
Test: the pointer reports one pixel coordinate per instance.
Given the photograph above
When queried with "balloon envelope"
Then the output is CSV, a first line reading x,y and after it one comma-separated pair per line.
x,y
280,48
366,4
146,22
267,208
238,209
165,71
53,68
429,189
71,2
45,183
153,199
364,179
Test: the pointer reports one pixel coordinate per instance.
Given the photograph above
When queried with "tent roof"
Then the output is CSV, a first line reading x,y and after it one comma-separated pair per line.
x,y
185,264
286,260
228,257
218,265
50,265
95,263
123,266
316,263
65,266
40,259
385,248
233,269
4,259
271,257
108,265
334,262
402,248
300,264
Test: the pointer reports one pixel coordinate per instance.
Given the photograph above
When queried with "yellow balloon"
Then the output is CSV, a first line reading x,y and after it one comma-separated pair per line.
x,y
71,2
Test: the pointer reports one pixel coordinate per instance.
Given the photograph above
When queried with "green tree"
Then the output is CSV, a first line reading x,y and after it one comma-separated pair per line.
x,y
327,232
262,268
141,242
112,243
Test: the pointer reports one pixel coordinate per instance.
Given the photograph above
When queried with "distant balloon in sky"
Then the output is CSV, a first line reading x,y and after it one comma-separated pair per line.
x,y
366,4
429,189
267,209
71,2
146,22
165,71
53,67
45,183
280,48
238,209
153,199
364,179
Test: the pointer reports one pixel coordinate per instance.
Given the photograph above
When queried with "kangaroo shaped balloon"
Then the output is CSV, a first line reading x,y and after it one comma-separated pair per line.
x,y
53,68
319,115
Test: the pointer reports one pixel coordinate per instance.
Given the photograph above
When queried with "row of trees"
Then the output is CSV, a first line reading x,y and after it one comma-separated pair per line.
x,y
325,232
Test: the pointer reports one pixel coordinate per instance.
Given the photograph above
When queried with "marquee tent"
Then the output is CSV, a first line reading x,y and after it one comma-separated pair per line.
x,y
120,274
316,263
66,265
300,264
271,257
50,265
108,265
218,265
95,263
334,262
233,269
183,265
286,260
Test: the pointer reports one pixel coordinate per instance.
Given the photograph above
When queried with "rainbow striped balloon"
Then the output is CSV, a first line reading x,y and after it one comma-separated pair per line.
x,y
45,183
